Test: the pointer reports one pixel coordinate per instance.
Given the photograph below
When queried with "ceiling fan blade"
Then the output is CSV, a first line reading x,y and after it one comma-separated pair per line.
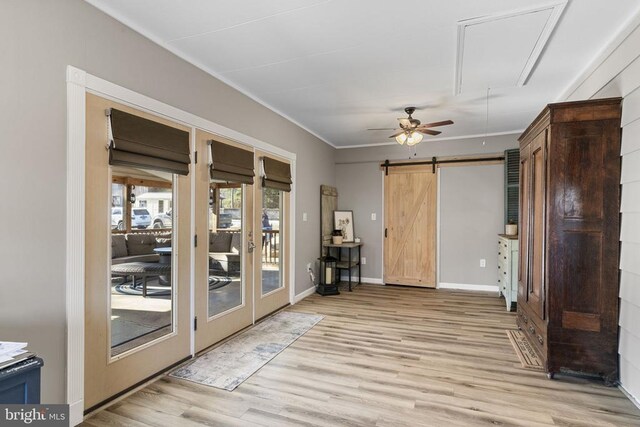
x,y
435,124
397,133
430,132
382,129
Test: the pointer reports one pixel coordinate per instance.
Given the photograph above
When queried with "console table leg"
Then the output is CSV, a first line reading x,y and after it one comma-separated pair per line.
x,y
349,265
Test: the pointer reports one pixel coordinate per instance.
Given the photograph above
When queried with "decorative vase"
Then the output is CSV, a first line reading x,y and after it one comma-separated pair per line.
x,y
337,240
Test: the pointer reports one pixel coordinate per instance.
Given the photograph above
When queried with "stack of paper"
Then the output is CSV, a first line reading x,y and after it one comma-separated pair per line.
x,y
13,352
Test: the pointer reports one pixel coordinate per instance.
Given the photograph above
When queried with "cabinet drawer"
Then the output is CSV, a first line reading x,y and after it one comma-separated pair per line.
x,y
535,334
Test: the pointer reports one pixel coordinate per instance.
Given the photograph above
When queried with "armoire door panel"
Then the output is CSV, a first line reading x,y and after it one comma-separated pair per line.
x,y
581,254
535,292
582,156
525,190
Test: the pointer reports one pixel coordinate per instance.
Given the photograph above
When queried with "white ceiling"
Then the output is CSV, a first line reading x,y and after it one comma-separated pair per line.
x,y
339,67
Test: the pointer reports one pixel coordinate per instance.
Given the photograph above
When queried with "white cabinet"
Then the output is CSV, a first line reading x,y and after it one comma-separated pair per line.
x,y
508,269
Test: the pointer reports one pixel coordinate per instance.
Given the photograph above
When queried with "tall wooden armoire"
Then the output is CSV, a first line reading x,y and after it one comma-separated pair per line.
x,y
569,236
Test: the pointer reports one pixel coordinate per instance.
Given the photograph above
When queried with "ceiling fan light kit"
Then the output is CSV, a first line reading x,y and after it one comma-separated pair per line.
x,y
411,138
412,132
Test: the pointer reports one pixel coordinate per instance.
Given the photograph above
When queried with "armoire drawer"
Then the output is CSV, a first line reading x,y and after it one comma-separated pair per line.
x,y
535,333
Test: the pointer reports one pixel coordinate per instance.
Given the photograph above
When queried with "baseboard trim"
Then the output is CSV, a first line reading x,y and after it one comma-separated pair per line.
x,y
468,287
76,413
367,280
302,295
630,396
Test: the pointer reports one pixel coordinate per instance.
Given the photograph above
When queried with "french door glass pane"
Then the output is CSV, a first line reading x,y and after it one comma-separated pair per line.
x,y
141,287
271,241
225,247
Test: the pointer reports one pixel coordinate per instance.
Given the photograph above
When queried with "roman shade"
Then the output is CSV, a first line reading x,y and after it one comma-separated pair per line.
x,y
232,164
142,143
276,174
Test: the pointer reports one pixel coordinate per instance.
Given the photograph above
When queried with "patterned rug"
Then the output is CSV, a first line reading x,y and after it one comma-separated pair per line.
x,y
525,352
230,364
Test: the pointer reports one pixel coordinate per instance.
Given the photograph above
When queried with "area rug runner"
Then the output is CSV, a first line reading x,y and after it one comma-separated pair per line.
x,y
525,352
230,364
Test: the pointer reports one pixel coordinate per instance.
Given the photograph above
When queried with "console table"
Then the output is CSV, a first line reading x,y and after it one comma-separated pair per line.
x,y
347,264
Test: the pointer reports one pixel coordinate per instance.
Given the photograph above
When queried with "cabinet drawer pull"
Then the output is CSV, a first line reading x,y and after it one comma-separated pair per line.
x,y
498,267
540,340
498,280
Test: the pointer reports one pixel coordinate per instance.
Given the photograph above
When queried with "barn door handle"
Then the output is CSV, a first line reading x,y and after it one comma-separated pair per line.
x,y
385,232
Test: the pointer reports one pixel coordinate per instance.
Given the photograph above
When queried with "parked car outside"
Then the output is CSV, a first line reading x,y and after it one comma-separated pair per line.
x,y
162,220
140,218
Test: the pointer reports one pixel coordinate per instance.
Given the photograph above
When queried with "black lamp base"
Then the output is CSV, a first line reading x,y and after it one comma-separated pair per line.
x,y
327,290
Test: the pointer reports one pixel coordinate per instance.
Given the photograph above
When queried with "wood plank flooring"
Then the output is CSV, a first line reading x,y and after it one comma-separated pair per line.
x,y
387,356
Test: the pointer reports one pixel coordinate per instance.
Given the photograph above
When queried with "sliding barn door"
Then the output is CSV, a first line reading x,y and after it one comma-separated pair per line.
x,y
410,226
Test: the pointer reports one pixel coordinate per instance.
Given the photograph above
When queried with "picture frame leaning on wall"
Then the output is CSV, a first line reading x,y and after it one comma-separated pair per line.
x,y
343,220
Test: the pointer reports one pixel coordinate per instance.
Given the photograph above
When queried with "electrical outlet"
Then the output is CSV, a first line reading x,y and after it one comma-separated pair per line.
x,y
363,260
304,216
483,263
373,216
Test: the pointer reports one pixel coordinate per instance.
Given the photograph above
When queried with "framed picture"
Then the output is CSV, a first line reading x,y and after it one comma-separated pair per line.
x,y
343,220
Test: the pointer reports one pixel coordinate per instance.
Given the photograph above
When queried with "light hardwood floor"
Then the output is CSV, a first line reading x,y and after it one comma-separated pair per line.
x,y
387,356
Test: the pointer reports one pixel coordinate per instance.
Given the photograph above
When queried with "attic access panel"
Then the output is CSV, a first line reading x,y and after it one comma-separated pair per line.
x,y
501,50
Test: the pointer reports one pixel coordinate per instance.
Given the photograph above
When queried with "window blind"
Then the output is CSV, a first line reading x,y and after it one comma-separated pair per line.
x,y
276,174
231,164
143,143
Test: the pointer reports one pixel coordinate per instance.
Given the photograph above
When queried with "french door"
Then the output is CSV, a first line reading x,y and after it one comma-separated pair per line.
x,y
224,259
271,213
242,243
137,277
410,226
139,246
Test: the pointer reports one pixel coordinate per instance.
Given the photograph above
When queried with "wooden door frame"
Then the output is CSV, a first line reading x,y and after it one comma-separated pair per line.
x,y
78,84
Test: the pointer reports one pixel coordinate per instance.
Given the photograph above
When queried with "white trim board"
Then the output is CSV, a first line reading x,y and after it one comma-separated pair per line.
x,y
302,295
79,83
442,138
468,287
630,396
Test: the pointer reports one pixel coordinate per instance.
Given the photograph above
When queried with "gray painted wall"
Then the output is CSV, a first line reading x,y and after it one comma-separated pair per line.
x,y
471,216
359,182
38,39
360,190
619,75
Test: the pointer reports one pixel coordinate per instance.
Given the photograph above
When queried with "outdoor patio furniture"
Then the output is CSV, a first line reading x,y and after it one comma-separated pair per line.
x,y
141,269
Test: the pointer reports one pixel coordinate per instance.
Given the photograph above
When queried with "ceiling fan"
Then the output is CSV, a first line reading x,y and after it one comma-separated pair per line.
x,y
411,131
